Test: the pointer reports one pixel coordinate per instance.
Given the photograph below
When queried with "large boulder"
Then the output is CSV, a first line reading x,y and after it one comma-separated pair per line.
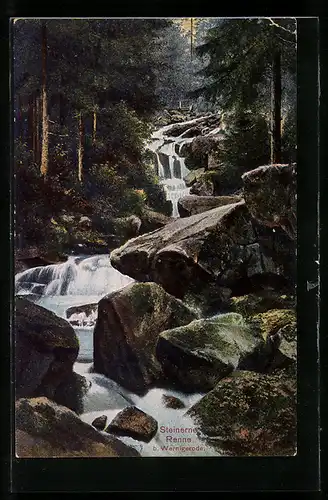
x,y
200,149
46,348
128,325
193,204
44,429
135,423
196,356
216,250
270,194
248,413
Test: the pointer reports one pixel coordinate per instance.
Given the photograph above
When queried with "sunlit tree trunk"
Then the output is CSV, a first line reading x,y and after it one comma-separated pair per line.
x,y
94,127
45,119
80,150
37,128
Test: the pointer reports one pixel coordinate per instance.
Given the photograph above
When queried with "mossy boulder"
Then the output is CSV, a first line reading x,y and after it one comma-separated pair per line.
x,y
128,325
278,328
270,194
248,413
196,356
270,322
193,176
253,303
46,348
44,429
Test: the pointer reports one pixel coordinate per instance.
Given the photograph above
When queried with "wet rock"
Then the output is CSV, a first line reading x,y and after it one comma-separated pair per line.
x,y
270,194
85,308
196,356
184,150
134,423
192,204
248,413
193,176
46,348
100,422
180,128
47,430
128,325
172,402
192,132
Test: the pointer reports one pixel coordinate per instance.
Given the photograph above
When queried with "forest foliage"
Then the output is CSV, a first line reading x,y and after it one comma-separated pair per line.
x,y
85,92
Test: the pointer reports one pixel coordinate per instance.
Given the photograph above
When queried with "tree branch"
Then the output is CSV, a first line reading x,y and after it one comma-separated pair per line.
x,y
279,26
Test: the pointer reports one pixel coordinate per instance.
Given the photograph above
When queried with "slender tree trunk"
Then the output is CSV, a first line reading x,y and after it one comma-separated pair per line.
x,y
34,126
30,122
277,108
37,129
94,127
80,148
45,120
191,37
271,123
19,118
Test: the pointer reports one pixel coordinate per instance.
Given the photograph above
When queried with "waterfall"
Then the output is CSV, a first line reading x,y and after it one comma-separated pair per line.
x,y
79,281
170,167
77,276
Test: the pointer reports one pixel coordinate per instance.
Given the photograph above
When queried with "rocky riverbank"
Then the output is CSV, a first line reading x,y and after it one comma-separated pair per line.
x,y
212,311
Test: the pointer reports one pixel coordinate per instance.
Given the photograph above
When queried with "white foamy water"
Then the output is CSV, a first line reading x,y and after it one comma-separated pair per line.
x,y
170,165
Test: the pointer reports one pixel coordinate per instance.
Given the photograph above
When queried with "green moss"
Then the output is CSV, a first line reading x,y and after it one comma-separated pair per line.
x,y
272,321
251,304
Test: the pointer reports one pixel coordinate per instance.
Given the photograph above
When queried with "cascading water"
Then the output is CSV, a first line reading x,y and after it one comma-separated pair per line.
x,y
83,281
170,165
78,281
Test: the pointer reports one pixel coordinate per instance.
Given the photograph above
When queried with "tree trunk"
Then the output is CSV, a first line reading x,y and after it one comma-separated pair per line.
x,y
271,123
37,129
80,148
34,126
277,108
19,118
45,120
94,128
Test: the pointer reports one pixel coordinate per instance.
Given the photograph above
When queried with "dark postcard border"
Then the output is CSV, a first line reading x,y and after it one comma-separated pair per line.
x,y
232,474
